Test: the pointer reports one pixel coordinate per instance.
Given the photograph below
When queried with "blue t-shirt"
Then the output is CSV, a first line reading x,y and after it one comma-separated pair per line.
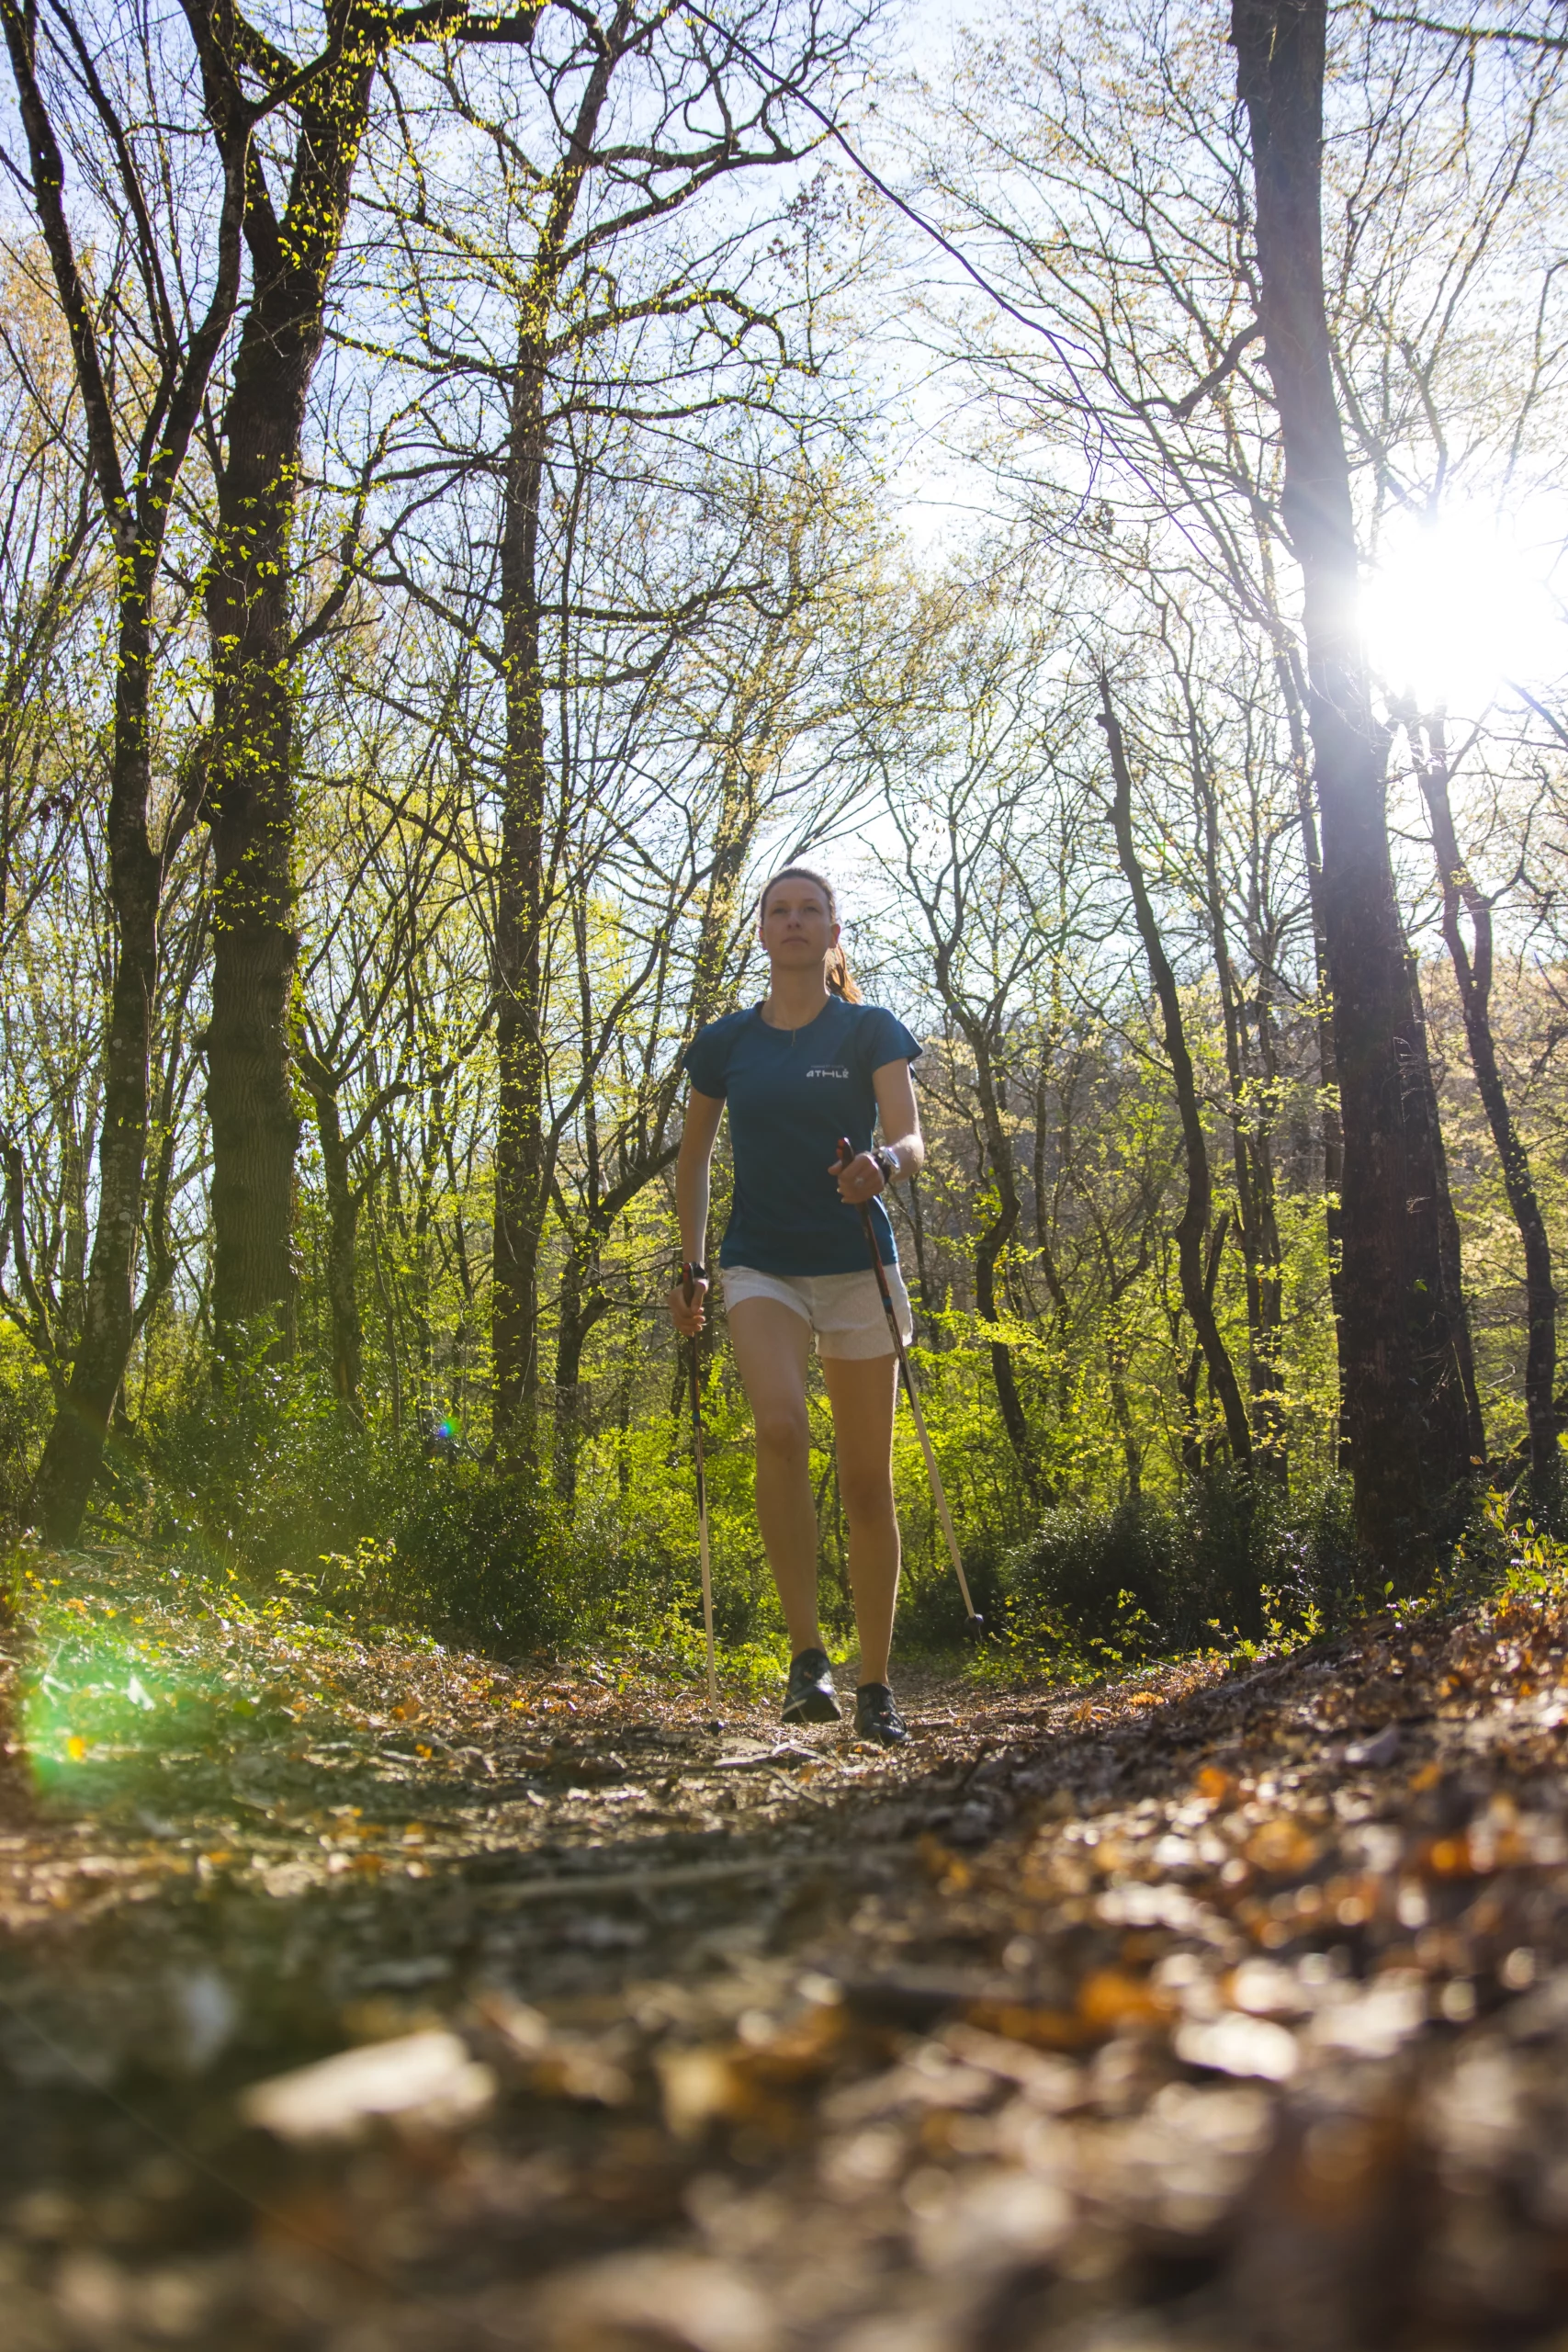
x,y
790,1096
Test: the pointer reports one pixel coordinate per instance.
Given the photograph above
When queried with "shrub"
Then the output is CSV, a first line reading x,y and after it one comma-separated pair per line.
x,y
1090,1574
470,1554
1230,1557
263,1474
930,1609
27,1408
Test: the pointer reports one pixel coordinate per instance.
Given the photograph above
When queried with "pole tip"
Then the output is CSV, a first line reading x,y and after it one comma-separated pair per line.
x,y
973,1628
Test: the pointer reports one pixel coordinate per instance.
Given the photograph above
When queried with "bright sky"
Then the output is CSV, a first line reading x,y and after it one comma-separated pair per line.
x,y
1457,609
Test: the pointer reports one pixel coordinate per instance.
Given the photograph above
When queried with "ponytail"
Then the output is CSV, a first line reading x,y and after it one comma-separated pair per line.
x,y
840,978
836,972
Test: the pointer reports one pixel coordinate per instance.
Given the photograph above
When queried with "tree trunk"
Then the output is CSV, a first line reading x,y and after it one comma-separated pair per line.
x,y
924,1288
1445,1368
1398,1410
583,1303
1293,688
1060,1306
522,1153
255,1125
993,1239
1132,1452
343,1201
1257,1225
75,1443
1197,1296
988,1248
521,1179
1473,972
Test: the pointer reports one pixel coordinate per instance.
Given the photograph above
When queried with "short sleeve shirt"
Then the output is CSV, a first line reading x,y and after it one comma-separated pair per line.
x,y
790,1095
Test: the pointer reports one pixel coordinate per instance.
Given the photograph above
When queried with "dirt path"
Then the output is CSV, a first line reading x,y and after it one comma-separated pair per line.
x,y
1215,2010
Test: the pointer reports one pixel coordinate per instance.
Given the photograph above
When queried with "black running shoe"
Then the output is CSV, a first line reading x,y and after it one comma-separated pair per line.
x,y
810,1697
877,1716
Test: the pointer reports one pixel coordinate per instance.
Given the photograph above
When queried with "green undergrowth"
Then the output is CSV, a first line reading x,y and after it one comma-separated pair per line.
x,y
125,1653
264,1492
129,1662
1228,1571
1229,1563
261,1480
123,1657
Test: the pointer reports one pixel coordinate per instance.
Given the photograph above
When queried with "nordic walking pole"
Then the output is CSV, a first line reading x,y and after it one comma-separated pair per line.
x,y
688,1285
975,1624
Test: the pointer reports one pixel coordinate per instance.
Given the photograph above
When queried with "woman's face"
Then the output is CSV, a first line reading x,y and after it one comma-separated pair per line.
x,y
796,928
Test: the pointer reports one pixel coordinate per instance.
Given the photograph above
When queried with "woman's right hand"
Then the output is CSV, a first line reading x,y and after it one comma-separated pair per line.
x,y
689,1316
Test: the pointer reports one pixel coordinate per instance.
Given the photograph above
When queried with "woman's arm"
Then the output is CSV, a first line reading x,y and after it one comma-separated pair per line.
x,y
899,1117
899,1120
704,1113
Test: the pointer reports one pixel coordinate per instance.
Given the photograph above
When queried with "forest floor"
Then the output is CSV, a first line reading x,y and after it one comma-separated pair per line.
x,y
359,1997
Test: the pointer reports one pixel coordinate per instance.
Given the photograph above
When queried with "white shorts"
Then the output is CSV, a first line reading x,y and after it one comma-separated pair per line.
x,y
844,1310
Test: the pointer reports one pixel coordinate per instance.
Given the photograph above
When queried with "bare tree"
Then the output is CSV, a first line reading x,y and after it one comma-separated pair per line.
x,y
1198,1251
258,636
139,429
1463,899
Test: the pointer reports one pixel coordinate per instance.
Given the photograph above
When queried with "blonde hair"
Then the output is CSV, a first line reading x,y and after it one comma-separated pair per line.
x,y
836,964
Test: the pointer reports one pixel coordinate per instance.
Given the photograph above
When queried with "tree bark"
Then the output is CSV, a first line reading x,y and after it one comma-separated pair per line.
x,y
255,645
994,1237
1473,967
522,1154
1132,1452
521,1184
344,1200
1397,1387
75,1441
251,793
1256,1220
1293,689
583,1303
1445,1367
1197,1296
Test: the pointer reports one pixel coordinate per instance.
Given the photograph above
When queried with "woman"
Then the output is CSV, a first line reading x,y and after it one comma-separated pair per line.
x,y
809,1064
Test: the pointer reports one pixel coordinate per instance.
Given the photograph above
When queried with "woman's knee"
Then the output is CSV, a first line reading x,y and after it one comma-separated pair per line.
x,y
783,1430
867,1495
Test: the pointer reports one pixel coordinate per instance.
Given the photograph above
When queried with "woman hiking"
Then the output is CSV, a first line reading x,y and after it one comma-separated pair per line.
x,y
809,1064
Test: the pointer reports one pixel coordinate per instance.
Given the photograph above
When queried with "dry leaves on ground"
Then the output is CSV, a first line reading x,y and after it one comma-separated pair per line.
x,y
413,2003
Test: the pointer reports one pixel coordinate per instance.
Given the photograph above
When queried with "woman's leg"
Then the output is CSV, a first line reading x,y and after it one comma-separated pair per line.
x,y
863,1391
770,1341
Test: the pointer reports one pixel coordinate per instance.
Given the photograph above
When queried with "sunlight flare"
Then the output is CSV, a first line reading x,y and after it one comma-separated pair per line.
x,y
1456,608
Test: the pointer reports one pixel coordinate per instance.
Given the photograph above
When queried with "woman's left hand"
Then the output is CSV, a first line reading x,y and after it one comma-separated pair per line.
x,y
859,1178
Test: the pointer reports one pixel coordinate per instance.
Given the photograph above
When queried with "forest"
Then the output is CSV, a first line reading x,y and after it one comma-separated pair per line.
x,y
481,492
482,489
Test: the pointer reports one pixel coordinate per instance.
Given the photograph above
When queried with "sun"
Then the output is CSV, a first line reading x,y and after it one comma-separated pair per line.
x,y
1459,608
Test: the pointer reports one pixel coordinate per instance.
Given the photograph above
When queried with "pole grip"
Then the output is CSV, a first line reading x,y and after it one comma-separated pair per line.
x,y
846,1153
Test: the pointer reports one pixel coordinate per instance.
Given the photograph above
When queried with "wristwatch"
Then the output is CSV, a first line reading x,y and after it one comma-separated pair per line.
x,y
887,1160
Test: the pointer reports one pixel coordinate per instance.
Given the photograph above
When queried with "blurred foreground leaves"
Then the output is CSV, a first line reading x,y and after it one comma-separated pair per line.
x,y
358,1994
